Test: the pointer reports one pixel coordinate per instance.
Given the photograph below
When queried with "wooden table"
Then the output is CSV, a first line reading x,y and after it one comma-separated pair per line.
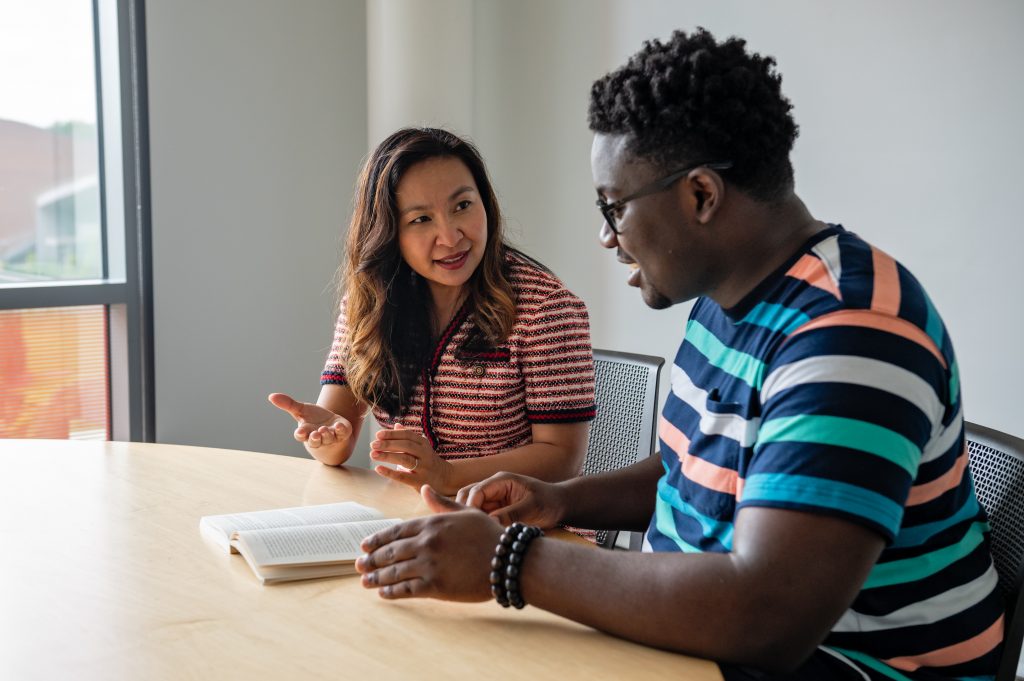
x,y
103,575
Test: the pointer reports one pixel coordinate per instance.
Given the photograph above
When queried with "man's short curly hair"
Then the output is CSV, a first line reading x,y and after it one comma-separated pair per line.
x,y
693,99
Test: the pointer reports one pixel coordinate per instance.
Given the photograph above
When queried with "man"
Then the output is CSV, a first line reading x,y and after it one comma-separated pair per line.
x,y
811,515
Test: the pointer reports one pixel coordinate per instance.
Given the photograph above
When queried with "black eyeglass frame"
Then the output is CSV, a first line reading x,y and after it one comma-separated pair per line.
x,y
608,209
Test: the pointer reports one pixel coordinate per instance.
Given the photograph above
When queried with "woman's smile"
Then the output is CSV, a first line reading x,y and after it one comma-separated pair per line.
x,y
454,262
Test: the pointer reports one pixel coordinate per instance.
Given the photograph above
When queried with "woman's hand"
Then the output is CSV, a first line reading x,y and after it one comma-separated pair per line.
x,y
418,463
446,556
324,433
509,498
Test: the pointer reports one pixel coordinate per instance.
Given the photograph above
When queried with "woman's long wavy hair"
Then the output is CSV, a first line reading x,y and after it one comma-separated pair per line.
x,y
389,307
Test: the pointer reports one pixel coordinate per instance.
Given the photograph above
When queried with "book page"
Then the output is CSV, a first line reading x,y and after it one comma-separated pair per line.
x,y
220,528
308,545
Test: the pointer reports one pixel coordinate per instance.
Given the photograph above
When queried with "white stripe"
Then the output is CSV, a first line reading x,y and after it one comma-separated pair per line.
x,y
732,426
842,658
928,611
943,439
857,371
828,252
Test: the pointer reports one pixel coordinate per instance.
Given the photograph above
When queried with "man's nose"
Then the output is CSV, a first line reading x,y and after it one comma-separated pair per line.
x,y
607,237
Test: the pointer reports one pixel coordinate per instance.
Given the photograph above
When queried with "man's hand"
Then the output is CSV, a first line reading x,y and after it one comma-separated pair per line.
x,y
445,556
509,498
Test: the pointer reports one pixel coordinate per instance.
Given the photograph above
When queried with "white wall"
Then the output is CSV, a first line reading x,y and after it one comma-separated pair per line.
x,y
257,127
258,114
910,136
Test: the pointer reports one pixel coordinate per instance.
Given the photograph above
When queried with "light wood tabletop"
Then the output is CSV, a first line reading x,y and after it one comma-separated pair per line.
x,y
104,575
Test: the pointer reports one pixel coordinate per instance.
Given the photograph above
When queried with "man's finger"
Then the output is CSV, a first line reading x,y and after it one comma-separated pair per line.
x,y
488,493
395,552
437,502
410,528
506,515
410,588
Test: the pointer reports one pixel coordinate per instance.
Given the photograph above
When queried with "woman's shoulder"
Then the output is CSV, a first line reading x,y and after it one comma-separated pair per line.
x,y
534,284
526,273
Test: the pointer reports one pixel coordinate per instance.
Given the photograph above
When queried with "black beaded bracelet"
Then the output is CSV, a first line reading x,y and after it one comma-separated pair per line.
x,y
508,561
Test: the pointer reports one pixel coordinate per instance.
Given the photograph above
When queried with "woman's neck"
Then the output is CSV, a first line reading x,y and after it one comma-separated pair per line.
x,y
446,303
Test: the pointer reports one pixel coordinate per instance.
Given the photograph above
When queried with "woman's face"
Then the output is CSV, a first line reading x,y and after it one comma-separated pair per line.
x,y
442,224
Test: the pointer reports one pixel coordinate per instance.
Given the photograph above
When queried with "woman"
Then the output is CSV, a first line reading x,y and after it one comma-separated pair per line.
x,y
473,357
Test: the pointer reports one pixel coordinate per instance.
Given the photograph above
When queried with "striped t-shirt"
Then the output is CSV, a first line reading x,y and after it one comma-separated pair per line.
x,y
477,400
832,388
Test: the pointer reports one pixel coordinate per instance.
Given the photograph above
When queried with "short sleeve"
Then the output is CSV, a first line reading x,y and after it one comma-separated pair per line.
x,y
334,369
849,404
557,360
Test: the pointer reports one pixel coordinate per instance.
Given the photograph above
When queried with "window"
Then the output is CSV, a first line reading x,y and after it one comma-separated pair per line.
x,y
75,339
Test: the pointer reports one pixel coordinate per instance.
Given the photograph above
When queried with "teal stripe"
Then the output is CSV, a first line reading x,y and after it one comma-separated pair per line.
x,y
805,490
917,568
842,432
776,317
868,661
745,367
666,524
719,530
915,536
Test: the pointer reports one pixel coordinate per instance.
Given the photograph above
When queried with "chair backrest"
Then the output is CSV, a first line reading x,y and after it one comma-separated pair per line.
x,y
997,467
623,431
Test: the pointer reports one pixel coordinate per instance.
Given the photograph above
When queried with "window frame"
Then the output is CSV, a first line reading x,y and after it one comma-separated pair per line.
x,y
129,300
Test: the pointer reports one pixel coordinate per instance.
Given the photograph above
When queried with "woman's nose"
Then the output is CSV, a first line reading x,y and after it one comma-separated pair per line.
x,y
448,233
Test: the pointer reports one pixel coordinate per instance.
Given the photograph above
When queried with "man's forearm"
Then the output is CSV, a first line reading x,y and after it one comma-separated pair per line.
x,y
622,499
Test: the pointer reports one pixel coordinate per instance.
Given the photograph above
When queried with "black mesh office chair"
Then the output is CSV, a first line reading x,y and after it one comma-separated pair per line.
x,y
623,431
997,466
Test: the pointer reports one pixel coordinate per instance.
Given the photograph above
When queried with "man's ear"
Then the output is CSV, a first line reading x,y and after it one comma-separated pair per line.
x,y
706,190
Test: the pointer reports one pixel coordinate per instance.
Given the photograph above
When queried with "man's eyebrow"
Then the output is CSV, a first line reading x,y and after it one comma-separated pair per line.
x,y
461,190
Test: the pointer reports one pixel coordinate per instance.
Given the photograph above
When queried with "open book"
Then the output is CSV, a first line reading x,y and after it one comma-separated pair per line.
x,y
305,542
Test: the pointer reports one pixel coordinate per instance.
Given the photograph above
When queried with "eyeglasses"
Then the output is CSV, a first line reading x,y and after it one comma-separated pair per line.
x,y
608,210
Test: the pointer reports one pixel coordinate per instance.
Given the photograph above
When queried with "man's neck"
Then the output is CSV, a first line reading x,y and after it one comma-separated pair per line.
x,y
765,237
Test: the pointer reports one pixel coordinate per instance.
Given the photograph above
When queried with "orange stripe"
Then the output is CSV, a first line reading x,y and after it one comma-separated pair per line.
x,y
870,319
702,472
965,651
812,270
885,297
920,494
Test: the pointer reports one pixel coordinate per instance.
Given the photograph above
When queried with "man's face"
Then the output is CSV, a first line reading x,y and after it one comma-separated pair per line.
x,y
657,238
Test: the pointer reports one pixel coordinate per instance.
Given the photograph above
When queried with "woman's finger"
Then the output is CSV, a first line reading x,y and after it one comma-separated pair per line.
x,y
403,435
397,476
286,403
397,446
407,461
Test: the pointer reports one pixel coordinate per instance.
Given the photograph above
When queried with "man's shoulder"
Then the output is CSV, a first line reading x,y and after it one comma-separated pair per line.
x,y
845,273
